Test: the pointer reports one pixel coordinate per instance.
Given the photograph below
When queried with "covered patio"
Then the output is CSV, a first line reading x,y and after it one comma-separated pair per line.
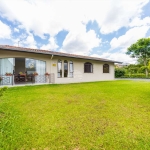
x,y
14,71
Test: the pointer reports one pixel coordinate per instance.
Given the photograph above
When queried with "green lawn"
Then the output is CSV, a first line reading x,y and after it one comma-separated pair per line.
x,y
112,115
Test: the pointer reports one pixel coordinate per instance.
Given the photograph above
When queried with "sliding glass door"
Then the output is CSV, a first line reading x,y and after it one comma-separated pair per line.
x,y
37,67
6,65
33,65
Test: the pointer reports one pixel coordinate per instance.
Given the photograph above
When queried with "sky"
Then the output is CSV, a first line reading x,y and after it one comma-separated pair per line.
x,y
98,28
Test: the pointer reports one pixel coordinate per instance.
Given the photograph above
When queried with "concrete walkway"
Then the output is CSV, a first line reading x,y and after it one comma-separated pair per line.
x,y
15,85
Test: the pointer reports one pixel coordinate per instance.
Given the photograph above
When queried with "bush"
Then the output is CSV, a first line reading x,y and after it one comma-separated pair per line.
x,y
2,90
142,69
119,72
137,75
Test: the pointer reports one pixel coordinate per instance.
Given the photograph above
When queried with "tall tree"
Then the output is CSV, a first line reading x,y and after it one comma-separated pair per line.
x,y
140,50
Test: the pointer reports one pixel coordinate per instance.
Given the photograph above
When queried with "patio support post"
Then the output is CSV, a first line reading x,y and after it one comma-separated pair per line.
x,y
49,78
12,79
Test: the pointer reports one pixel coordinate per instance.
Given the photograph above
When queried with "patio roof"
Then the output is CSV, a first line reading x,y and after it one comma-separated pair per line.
x,y
48,52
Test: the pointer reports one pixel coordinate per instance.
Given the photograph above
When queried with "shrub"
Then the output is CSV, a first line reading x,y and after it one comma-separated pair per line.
x,y
142,69
137,75
119,72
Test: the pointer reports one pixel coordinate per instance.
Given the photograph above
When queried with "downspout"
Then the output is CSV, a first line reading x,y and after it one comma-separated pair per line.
x,y
52,56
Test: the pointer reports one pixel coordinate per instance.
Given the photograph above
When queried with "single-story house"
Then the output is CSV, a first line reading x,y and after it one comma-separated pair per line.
x,y
25,65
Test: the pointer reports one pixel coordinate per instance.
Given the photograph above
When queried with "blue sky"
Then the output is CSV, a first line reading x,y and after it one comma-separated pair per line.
x,y
99,28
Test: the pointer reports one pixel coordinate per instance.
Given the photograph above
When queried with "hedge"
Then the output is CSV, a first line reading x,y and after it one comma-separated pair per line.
x,y
141,75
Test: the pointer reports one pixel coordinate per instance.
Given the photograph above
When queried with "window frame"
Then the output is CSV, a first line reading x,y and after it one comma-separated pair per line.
x,y
104,69
66,62
59,61
71,62
90,69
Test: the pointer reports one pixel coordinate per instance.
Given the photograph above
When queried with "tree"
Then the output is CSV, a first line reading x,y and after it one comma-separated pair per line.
x,y
141,50
148,65
141,62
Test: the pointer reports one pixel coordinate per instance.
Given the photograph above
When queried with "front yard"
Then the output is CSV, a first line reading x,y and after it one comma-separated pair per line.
x,y
111,115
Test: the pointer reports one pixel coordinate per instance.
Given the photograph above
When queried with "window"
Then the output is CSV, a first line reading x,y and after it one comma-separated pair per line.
x,y
88,67
59,69
65,68
71,69
33,65
105,68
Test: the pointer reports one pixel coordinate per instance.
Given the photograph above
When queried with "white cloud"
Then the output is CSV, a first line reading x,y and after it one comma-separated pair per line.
x,y
55,15
16,30
140,22
118,56
30,41
131,36
80,43
119,14
52,45
5,31
26,41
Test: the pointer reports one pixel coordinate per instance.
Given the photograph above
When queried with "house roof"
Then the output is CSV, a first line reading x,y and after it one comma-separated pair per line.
x,y
48,52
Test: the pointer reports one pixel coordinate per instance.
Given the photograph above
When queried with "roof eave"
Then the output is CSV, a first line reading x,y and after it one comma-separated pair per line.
x,y
54,53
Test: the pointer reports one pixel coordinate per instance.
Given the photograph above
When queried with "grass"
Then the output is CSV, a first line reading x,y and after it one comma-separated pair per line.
x,y
112,115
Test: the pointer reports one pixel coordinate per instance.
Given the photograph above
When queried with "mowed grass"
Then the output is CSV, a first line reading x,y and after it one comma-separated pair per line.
x,y
111,115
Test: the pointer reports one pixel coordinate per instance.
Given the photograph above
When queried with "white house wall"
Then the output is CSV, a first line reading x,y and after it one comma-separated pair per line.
x,y
78,65
79,75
